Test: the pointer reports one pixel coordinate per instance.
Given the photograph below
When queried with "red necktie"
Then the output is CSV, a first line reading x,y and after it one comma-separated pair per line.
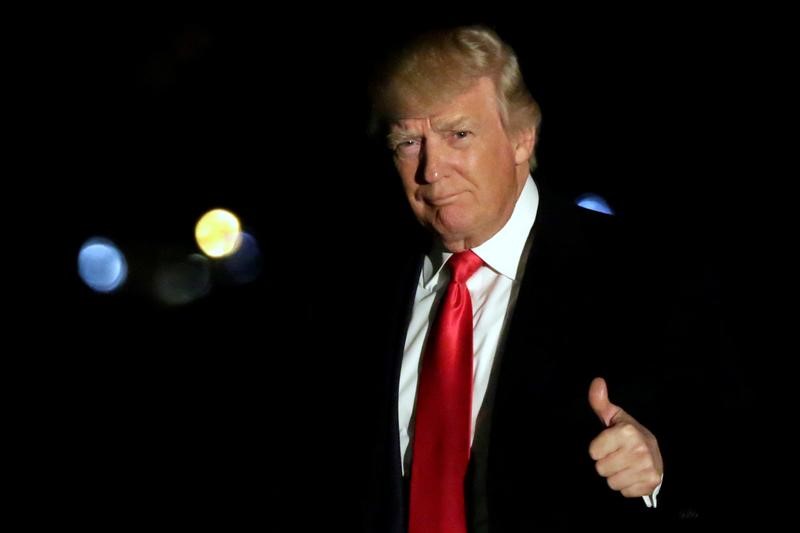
x,y
444,410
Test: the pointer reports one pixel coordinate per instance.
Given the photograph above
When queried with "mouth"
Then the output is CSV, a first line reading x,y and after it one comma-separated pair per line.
x,y
439,201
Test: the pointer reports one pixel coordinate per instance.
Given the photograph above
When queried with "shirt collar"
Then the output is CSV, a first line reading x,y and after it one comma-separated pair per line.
x,y
503,250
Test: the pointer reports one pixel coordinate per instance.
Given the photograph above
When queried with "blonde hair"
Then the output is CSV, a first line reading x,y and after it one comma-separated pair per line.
x,y
440,65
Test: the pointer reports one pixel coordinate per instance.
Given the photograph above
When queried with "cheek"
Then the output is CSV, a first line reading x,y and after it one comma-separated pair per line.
x,y
407,173
410,183
410,187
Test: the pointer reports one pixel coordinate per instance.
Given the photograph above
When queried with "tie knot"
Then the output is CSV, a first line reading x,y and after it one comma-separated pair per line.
x,y
463,265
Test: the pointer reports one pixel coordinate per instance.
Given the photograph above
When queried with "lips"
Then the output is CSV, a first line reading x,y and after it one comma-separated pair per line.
x,y
439,201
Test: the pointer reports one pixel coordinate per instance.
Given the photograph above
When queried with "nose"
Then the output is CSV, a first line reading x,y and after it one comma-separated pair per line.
x,y
433,164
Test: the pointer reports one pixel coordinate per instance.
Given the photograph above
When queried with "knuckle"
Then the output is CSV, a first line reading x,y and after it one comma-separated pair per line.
x,y
629,431
653,479
640,448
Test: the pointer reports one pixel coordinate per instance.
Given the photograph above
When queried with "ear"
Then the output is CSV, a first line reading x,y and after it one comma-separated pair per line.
x,y
524,141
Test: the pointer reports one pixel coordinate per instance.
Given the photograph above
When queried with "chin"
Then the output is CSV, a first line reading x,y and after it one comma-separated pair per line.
x,y
453,222
450,234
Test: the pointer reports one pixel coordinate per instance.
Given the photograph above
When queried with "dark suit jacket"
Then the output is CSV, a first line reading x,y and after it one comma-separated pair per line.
x,y
595,300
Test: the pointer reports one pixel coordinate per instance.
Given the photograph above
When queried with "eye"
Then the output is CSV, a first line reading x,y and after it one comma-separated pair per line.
x,y
406,148
461,134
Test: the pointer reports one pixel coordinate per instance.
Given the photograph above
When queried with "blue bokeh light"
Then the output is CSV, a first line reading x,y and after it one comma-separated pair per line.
x,y
101,265
594,202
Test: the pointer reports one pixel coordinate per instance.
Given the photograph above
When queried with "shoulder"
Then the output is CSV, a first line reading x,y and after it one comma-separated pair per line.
x,y
577,240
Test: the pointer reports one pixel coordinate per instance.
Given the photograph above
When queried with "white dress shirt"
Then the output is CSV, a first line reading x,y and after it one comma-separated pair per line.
x,y
490,288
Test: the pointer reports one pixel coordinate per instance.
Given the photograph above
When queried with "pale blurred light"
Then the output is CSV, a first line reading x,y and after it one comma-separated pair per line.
x,y
182,282
218,233
101,265
244,266
594,202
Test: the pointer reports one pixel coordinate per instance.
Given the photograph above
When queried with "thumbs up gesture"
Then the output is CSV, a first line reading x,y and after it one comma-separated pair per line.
x,y
625,453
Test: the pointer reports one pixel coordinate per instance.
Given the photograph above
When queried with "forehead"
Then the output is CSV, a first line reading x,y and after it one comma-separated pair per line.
x,y
477,104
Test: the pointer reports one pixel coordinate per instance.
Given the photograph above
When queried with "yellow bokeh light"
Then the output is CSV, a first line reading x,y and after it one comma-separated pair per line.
x,y
218,233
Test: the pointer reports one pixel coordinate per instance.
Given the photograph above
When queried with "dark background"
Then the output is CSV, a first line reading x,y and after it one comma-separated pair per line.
x,y
223,410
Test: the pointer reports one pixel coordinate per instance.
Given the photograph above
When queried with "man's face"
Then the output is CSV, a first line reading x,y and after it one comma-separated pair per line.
x,y
461,171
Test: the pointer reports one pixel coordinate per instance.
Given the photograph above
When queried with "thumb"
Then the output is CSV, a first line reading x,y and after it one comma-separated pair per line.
x,y
598,399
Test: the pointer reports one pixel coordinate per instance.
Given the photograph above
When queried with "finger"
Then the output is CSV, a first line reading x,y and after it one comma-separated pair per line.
x,y
638,490
613,463
635,482
625,479
605,444
621,435
598,400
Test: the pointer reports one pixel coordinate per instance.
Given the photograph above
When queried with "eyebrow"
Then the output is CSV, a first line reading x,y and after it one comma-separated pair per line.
x,y
456,123
396,137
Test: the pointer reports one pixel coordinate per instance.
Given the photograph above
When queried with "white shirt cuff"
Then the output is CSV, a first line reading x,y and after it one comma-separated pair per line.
x,y
650,500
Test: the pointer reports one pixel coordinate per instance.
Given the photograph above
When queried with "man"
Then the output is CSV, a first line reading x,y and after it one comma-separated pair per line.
x,y
493,426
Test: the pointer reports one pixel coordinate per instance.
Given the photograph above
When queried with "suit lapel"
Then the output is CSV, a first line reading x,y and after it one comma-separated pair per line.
x,y
533,326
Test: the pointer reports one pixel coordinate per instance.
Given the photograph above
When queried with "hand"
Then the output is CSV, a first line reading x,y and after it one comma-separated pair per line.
x,y
625,453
